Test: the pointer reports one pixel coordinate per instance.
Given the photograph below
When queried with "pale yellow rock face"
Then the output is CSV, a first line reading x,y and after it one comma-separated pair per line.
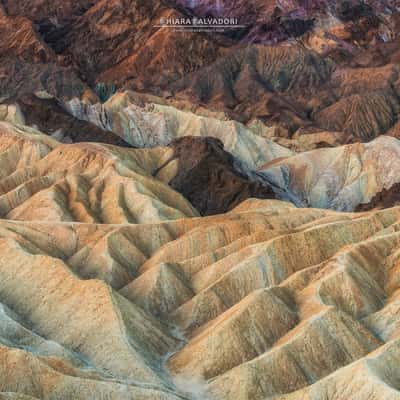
x,y
339,178
41,179
112,287
152,124
12,114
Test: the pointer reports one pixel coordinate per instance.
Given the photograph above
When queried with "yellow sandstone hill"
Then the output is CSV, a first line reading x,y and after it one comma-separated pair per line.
x,y
112,287
42,179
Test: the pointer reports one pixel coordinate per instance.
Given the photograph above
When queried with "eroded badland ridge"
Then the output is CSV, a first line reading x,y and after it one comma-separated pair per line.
x,y
199,215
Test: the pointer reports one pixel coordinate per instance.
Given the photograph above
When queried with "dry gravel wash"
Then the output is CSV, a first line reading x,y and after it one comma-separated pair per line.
x,y
149,301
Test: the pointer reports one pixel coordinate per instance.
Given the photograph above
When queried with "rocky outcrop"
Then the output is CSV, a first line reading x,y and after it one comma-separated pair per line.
x,y
332,176
89,182
340,178
209,177
384,199
362,116
122,43
276,21
298,90
157,125
48,80
48,116
339,74
29,65
252,82
37,10
137,51
301,142
21,40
